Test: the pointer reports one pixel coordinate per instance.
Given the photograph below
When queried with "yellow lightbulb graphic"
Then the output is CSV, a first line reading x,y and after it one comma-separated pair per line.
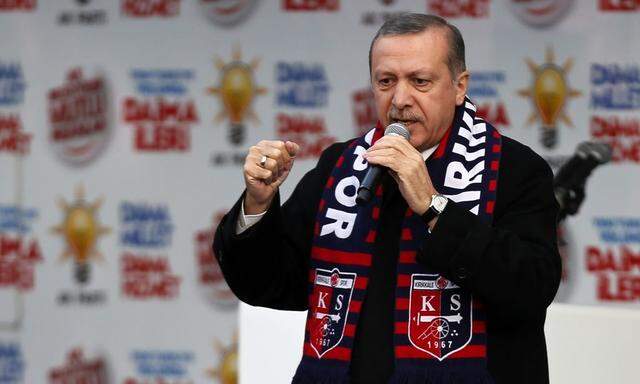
x,y
80,230
227,370
237,90
549,93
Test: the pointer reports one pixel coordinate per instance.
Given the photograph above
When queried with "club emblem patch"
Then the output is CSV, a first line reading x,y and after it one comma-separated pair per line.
x,y
330,306
440,319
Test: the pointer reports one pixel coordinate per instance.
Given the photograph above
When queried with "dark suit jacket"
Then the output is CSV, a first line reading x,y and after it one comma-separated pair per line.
x,y
513,265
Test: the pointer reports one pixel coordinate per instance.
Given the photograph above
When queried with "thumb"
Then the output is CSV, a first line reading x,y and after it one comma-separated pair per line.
x,y
292,148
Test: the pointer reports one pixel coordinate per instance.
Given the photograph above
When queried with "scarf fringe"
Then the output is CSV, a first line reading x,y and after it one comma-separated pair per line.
x,y
440,376
314,374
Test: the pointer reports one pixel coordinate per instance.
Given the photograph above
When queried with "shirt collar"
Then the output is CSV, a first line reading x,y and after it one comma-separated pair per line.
x,y
428,152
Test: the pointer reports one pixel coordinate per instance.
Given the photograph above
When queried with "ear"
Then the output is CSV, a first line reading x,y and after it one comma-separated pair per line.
x,y
461,83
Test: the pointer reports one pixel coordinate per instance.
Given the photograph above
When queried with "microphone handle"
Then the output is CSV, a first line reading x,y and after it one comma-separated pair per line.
x,y
370,182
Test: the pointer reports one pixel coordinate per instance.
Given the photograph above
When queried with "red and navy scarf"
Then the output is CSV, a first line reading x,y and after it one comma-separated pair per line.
x,y
440,329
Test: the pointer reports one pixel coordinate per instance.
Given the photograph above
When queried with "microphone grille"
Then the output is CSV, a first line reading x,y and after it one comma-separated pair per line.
x,y
397,129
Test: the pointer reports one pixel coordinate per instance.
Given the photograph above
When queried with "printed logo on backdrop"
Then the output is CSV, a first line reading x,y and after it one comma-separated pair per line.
x,y
619,5
19,253
363,107
11,363
236,92
615,90
77,369
161,367
459,8
12,83
302,86
311,5
226,371
19,248
484,90
540,13
17,5
150,8
227,13
162,115
145,234
615,262
78,117
85,12
13,138
549,93
376,17
81,229
210,276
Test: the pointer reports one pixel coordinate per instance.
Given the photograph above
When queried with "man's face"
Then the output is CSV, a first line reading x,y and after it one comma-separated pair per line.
x,y
413,85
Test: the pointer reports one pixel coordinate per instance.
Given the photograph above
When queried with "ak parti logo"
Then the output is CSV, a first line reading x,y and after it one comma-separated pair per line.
x,y
226,371
85,13
81,229
236,91
549,93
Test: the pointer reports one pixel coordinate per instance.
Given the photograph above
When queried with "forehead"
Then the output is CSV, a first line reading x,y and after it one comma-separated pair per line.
x,y
425,50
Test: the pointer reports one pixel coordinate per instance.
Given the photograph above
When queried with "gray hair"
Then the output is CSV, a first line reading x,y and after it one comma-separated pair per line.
x,y
411,23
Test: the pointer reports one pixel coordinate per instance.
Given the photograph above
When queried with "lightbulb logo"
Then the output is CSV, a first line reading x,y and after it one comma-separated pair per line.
x,y
81,230
236,90
227,370
549,93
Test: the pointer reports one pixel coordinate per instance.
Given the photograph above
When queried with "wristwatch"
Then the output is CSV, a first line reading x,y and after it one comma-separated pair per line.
x,y
438,204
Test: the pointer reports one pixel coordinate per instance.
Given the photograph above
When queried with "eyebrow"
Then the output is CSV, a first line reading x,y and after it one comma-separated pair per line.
x,y
418,73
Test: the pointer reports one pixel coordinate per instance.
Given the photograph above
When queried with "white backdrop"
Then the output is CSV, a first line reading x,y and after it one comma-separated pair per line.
x,y
149,178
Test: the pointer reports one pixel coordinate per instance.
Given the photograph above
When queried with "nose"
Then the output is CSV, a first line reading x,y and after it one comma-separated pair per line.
x,y
402,96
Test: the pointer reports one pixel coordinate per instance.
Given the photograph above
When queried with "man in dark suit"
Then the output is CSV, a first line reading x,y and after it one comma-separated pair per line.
x,y
446,275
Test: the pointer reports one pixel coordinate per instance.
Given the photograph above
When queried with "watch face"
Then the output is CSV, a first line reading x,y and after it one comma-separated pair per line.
x,y
439,202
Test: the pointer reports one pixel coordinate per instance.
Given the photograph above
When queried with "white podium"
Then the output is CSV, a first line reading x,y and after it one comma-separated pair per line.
x,y
586,345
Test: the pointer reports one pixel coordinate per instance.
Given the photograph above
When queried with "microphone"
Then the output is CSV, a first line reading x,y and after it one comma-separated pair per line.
x,y
372,178
569,182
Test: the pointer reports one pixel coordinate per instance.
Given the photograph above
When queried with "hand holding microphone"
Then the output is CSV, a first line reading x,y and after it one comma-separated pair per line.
x,y
405,164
